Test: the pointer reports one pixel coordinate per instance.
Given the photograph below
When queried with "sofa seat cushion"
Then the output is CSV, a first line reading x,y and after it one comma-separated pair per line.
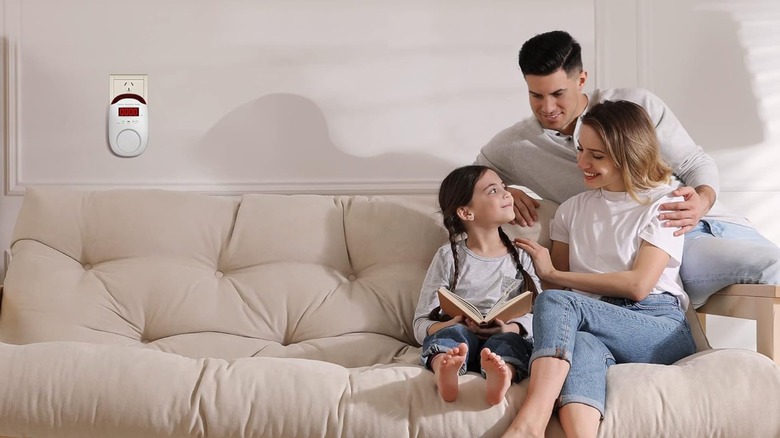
x,y
66,389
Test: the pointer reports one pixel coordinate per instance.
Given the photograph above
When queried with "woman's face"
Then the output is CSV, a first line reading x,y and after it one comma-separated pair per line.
x,y
598,168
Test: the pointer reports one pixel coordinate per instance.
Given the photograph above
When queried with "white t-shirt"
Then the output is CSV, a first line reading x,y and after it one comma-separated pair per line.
x,y
604,231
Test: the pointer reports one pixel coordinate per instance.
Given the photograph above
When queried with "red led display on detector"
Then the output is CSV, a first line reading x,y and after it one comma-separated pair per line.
x,y
128,111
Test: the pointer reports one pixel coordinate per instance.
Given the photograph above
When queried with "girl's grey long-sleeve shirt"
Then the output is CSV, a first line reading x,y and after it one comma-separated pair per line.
x,y
482,281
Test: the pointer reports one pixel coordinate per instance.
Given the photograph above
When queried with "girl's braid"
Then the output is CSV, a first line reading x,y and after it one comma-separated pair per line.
x,y
527,281
454,225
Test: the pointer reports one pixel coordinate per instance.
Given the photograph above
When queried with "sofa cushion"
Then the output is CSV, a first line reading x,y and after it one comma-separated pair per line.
x,y
318,277
67,389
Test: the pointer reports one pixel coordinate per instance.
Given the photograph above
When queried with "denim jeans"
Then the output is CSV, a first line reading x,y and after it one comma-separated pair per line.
x,y
512,347
594,334
717,254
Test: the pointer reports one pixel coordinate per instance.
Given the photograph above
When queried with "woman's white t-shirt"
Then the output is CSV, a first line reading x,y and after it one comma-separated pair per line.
x,y
604,231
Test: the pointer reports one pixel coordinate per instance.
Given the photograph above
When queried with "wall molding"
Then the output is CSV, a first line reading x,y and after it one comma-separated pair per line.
x,y
600,18
286,188
12,16
644,44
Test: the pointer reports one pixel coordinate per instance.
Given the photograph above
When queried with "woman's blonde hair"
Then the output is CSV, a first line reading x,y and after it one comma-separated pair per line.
x,y
629,135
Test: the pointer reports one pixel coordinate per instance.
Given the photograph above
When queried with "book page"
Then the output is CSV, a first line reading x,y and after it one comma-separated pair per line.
x,y
514,308
454,305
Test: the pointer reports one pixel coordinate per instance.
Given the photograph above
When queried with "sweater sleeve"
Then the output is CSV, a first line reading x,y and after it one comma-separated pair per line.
x,y
438,275
495,156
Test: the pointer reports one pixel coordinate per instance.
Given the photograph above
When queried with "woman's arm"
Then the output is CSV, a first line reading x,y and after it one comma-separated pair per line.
x,y
634,284
559,255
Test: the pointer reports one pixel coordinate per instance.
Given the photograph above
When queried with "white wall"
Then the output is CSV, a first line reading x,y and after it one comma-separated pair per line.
x,y
300,95
355,96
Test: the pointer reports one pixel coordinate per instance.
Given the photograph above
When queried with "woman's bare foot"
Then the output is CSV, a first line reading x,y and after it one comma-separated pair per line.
x,y
498,374
446,367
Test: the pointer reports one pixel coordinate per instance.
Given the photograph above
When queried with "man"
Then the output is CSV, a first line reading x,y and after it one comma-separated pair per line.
x,y
539,153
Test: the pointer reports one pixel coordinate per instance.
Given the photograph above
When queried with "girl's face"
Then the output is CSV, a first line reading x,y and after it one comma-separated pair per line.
x,y
491,204
598,168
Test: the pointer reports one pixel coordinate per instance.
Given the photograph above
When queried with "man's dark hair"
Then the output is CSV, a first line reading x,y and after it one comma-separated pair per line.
x,y
547,52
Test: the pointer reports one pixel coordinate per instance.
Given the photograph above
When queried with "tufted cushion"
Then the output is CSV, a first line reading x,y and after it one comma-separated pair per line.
x,y
327,278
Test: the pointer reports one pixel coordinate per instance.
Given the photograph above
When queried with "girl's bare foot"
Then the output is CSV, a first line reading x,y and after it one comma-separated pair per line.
x,y
498,374
516,431
446,367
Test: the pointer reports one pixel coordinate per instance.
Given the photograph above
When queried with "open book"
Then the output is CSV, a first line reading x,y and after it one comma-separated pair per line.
x,y
504,309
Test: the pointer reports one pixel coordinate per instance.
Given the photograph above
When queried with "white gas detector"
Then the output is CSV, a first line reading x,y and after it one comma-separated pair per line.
x,y
128,125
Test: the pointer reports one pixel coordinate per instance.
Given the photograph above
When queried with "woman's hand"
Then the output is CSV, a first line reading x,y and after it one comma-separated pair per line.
x,y
540,255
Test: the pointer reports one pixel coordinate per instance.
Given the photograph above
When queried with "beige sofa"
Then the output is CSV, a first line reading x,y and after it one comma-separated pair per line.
x,y
165,314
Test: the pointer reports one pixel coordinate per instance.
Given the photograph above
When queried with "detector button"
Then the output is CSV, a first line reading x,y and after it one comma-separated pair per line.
x,y
128,141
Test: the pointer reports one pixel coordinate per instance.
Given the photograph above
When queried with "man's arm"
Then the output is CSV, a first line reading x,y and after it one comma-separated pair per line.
x,y
691,165
483,160
635,283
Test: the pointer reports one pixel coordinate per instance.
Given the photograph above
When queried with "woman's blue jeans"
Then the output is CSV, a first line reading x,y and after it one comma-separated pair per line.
x,y
594,334
717,254
512,347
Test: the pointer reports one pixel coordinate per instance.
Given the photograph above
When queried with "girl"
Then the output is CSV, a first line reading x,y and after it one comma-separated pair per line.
x,y
623,300
479,268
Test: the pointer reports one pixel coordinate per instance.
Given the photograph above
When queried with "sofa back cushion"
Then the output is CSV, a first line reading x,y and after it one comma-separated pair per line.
x,y
320,277
333,278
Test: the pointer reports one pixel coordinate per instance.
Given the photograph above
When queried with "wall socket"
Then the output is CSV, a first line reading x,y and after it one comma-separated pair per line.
x,y
135,84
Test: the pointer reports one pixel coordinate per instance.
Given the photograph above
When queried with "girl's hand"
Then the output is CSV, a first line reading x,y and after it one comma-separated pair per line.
x,y
498,326
539,254
444,324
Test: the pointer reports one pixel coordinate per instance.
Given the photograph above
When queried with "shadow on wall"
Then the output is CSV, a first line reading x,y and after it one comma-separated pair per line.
x,y
736,99
284,138
705,71
737,69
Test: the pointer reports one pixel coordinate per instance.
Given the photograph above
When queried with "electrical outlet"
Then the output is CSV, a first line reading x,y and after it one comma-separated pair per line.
x,y
135,84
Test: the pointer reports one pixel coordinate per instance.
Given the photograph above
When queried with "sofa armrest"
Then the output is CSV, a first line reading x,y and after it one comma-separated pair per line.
x,y
759,302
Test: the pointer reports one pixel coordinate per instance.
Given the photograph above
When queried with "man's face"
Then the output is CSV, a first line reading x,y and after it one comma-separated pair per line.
x,y
555,99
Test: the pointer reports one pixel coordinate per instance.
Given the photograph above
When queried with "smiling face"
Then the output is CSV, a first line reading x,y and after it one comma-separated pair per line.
x,y
556,99
599,169
491,205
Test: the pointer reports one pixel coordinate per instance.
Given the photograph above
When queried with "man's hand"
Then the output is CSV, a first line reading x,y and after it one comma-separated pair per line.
x,y
686,214
525,208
